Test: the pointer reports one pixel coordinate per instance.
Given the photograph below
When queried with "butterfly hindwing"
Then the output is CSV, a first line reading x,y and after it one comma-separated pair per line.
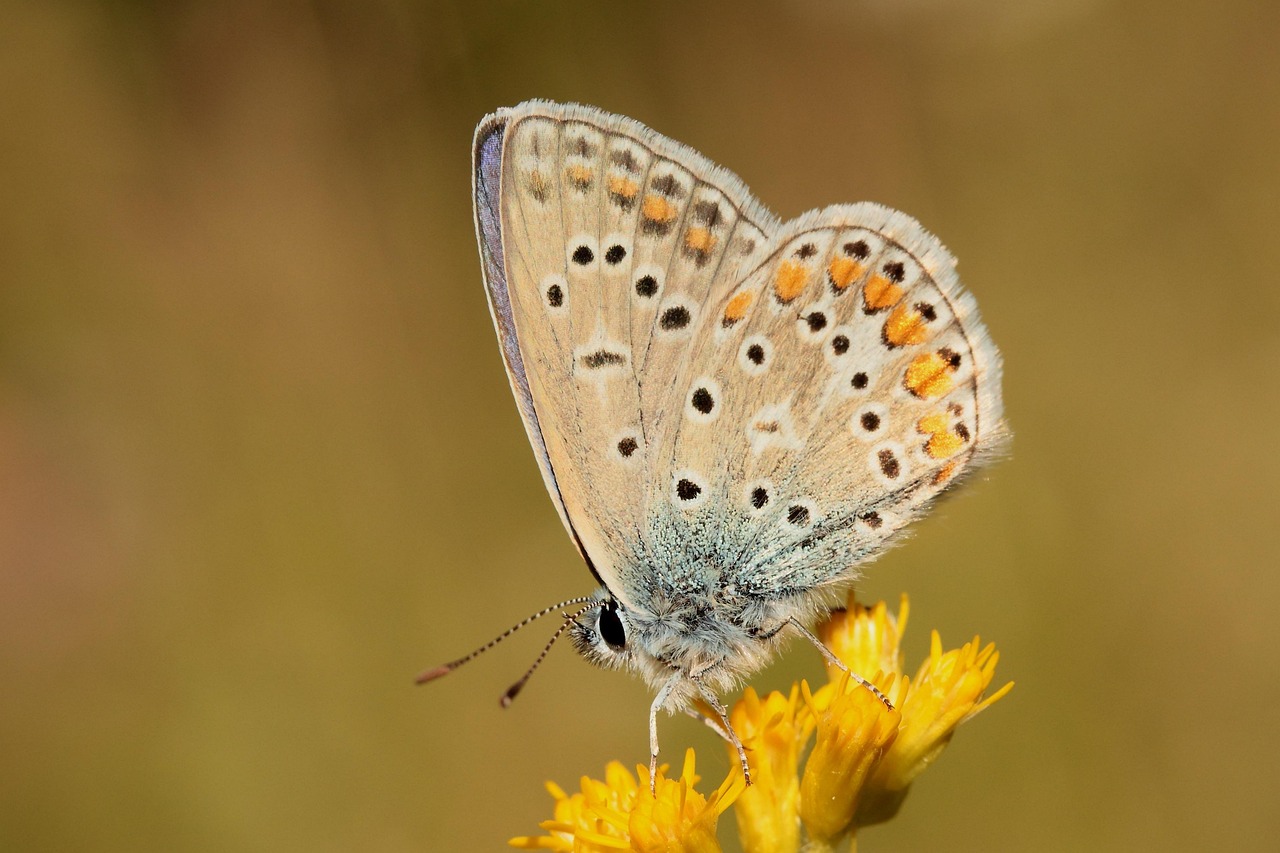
x,y
856,387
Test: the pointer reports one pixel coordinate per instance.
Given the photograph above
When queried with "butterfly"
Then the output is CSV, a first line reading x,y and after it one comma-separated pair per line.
x,y
731,413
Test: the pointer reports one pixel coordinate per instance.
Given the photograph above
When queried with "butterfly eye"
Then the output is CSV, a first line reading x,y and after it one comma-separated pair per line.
x,y
611,629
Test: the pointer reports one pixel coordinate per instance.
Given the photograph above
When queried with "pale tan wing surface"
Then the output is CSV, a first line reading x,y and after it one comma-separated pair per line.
x,y
714,397
486,182
609,250
853,382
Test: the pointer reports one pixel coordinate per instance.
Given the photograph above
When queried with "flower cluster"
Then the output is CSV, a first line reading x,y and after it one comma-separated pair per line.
x,y
620,813
824,762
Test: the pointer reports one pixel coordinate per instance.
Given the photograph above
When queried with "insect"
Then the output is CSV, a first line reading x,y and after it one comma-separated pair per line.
x,y
731,413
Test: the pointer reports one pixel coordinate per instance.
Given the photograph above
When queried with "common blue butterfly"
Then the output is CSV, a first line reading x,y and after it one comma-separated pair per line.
x,y
731,413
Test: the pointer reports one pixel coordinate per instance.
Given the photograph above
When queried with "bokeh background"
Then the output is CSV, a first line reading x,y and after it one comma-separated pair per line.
x,y
259,463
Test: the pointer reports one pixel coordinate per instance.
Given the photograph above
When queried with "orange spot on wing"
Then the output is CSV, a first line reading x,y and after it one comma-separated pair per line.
x,y
944,473
621,185
936,422
843,272
943,444
737,307
579,175
658,209
945,439
905,326
699,240
928,375
790,280
880,293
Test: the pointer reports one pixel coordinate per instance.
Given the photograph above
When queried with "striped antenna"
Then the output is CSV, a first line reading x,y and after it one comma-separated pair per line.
x,y
445,669
510,695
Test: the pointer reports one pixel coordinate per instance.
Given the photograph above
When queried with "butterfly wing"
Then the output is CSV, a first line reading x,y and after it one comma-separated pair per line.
x,y
487,158
713,398
854,382
600,249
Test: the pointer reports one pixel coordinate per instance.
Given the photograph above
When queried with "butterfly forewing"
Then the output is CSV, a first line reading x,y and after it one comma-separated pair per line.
x,y
610,247
717,398
576,351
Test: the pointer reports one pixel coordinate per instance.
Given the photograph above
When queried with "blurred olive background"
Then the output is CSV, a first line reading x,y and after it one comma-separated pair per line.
x,y
259,463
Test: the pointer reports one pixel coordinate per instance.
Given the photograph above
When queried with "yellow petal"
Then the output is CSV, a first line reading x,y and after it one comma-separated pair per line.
x,y
948,690
767,811
853,730
866,639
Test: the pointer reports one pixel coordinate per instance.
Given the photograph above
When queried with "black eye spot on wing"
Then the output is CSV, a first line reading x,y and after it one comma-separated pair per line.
x,y
614,255
703,401
759,497
840,344
555,296
625,159
668,186
687,490
859,380
603,358
858,249
755,355
675,317
583,255
798,515
708,213
627,446
646,286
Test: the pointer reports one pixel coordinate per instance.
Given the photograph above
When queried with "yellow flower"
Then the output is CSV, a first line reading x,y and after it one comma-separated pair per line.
x,y
863,759
591,821
865,638
947,691
619,813
854,729
678,819
767,811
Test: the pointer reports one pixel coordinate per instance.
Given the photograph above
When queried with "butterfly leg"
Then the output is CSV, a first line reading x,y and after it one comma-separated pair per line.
x,y
709,723
836,662
658,702
714,701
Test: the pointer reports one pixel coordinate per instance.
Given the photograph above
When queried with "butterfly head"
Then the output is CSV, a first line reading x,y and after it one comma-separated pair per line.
x,y
698,637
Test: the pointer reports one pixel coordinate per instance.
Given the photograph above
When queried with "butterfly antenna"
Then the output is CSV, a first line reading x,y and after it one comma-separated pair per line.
x,y
445,669
510,695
